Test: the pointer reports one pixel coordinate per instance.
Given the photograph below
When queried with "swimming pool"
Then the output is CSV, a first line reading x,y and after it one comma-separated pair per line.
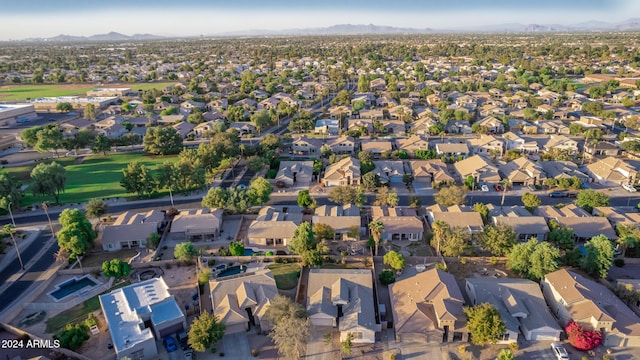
x,y
233,270
70,286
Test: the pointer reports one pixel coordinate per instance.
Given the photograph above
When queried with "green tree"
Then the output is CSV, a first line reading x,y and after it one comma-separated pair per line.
x,y
544,260
290,335
48,179
449,196
238,200
216,197
73,336
136,178
395,260
153,240
49,138
304,199
563,237
76,235
376,228
256,163
531,201
370,181
101,144
354,232
10,194
599,256
236,248
205,331
259,190
260,120
304,243
270,142
499,239
387,276
519,257
64,107
323,231
116,268
483,210
170,110
588,199
342,98
235,113
484,324
506,354
90,112
30,135
185,251
282,307
346,195
162,141
96,208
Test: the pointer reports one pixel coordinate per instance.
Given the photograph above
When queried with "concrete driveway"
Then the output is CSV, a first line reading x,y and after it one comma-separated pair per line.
x,y
317,348
236,347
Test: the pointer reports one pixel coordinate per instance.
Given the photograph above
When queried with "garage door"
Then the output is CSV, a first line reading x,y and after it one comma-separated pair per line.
x,y
171,329
413,339
322,321
543,336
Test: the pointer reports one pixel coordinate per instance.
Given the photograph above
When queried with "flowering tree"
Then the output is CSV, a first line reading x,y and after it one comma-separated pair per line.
x,y
583,339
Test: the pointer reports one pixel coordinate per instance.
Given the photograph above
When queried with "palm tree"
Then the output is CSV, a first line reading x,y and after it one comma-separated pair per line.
x,y
439,227
505,183
376,228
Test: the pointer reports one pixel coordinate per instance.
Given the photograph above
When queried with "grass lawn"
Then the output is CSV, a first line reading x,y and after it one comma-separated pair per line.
x,y
96,259
97,177
286,275
24,92
78,312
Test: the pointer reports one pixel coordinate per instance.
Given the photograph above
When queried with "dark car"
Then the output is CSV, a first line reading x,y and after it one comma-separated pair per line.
x,y
183,339
498,187
558,194
169,344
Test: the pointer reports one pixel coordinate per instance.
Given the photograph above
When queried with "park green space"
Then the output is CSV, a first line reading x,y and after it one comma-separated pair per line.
x,y
24,92
97,176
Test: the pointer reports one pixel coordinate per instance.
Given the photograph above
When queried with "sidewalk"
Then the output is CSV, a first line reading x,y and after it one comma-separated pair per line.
x,y
10,255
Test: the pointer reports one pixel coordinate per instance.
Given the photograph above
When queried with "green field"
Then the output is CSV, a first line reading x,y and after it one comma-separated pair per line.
x,y
24,92
286,275
96,177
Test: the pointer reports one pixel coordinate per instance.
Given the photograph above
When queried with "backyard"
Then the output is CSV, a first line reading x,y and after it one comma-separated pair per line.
x,y
286,275
95,177
26,92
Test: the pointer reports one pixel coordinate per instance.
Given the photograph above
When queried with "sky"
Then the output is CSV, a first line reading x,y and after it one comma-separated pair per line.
x,y
20,19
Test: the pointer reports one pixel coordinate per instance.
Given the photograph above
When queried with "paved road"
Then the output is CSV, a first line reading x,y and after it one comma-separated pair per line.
x,y
15,290
27,255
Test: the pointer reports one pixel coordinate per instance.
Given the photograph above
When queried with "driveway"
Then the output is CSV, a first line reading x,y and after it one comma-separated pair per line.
x,y
317,348
420,352
236,347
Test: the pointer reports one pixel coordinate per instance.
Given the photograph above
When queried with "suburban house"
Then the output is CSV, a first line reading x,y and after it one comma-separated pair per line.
x,y
452,149
197,224
521,306
613,170
207,127
342,145
389,171
631,284
378,84
183,128
552,127
341,218
487,145
561,143
344,299
601,148
377,148
397,127
583,224
618,215
362,125
525,225
400,223
421,126
327,126
427,308
295,173
563,170
274,226
522,171
492,124
139,315
241,302
455,217
413,143
130,230
479,168
515,142
573,297
426,173
243,127
306,146
344,172
458,127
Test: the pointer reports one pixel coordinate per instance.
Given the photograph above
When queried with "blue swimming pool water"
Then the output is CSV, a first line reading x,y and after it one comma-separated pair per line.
x,y
70,286
248,252
234,270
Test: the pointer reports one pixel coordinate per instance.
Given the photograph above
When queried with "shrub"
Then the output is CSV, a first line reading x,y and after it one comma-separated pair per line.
x,y
73,336
514,346
269,253
462,349
582,339
618,262
211,262
387,276
255,352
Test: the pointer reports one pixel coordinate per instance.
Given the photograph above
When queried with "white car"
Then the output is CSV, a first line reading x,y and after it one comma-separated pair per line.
x,y
484,188
559,351
629,187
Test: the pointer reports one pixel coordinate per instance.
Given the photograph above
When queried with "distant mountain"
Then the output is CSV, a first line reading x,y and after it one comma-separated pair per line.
x,y
350,29
112,36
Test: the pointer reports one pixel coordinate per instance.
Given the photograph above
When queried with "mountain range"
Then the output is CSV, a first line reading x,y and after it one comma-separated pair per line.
x,y
632,24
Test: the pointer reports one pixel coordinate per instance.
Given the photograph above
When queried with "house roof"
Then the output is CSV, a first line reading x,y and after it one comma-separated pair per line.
x,y
477,165
437,168
338,170
197,220
421,302
376,145
113,234
522,169
275,222
585,299
552,212
351,288
562,169
613,169
519,302
123,308
588,227
231,296
300,168
397,220
467,220
524,225
339,217
452,148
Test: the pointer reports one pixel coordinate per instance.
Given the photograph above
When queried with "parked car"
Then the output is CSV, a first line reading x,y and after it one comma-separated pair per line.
x,y
558,194
629,187
188,355
484,188
498,187
559,351
169,344
183,339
